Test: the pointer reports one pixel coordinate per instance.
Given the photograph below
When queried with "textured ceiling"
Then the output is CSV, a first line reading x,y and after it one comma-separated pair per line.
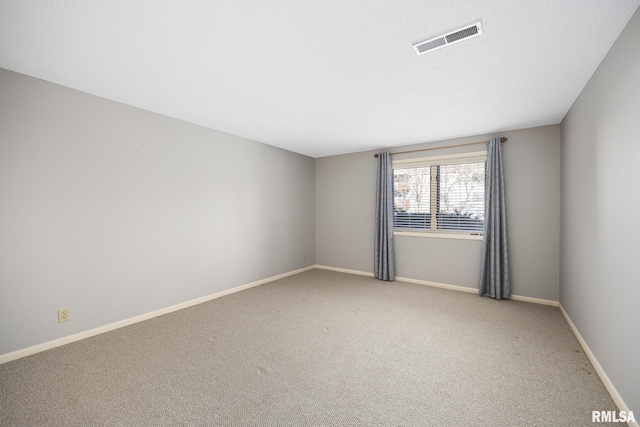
x,y
321,77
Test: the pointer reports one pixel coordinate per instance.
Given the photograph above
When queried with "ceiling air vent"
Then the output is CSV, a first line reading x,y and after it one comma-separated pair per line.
x,y
447,39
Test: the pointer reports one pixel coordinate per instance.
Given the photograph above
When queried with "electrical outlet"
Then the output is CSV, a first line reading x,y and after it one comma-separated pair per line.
x,y
64,315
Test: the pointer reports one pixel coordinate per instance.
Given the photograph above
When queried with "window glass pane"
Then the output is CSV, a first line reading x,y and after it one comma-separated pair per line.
x,y
411,197
461,196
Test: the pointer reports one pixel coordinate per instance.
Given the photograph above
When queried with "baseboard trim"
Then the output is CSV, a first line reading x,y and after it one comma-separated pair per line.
x,y
440,285
18,354
535,300
596,365
344,270
437,285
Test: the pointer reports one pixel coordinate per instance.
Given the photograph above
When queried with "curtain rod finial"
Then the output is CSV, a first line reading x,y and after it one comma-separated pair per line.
x,y
503,139
375,155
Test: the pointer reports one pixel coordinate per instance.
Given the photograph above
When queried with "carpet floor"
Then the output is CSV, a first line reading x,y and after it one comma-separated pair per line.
x,y
320,348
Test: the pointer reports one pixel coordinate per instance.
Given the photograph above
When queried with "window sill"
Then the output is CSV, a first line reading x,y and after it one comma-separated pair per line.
x,y
439,235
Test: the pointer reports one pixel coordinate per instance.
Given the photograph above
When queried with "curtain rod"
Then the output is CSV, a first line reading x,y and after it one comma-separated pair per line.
x,y
503,139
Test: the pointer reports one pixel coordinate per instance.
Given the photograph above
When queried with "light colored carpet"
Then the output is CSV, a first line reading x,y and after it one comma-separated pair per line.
x,y
319,348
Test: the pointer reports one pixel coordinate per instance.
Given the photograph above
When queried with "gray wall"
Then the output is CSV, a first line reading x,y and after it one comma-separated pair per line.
x,y
600,275
114,211
345,203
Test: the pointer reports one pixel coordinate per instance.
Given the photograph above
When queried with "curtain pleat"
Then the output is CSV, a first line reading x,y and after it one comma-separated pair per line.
x,y
384,265
494,272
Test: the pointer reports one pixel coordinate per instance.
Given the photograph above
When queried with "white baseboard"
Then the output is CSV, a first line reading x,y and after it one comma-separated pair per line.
x,y
441,285
7,357
535,300
437,285
596,365
344,270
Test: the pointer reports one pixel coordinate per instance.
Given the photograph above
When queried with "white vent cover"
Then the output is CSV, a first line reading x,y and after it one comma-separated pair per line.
x,y
450,38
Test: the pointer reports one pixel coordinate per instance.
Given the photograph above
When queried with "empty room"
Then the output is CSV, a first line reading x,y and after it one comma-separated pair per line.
x,y
339,213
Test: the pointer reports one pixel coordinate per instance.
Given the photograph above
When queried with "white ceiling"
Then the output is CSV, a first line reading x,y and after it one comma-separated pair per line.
x,y
320,77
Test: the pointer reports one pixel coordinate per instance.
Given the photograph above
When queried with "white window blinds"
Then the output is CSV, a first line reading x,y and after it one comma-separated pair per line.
x,y
444,193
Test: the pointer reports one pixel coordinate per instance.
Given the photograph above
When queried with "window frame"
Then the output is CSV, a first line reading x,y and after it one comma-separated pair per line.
x,y
468,157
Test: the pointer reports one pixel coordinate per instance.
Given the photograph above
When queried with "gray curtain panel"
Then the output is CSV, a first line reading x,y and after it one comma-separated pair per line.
x,y
494,271
383,261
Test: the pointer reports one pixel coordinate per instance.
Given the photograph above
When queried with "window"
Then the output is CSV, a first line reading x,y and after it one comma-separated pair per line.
x,y
444,193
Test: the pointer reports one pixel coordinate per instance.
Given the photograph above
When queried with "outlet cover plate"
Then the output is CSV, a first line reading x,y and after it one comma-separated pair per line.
x,y
64,315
